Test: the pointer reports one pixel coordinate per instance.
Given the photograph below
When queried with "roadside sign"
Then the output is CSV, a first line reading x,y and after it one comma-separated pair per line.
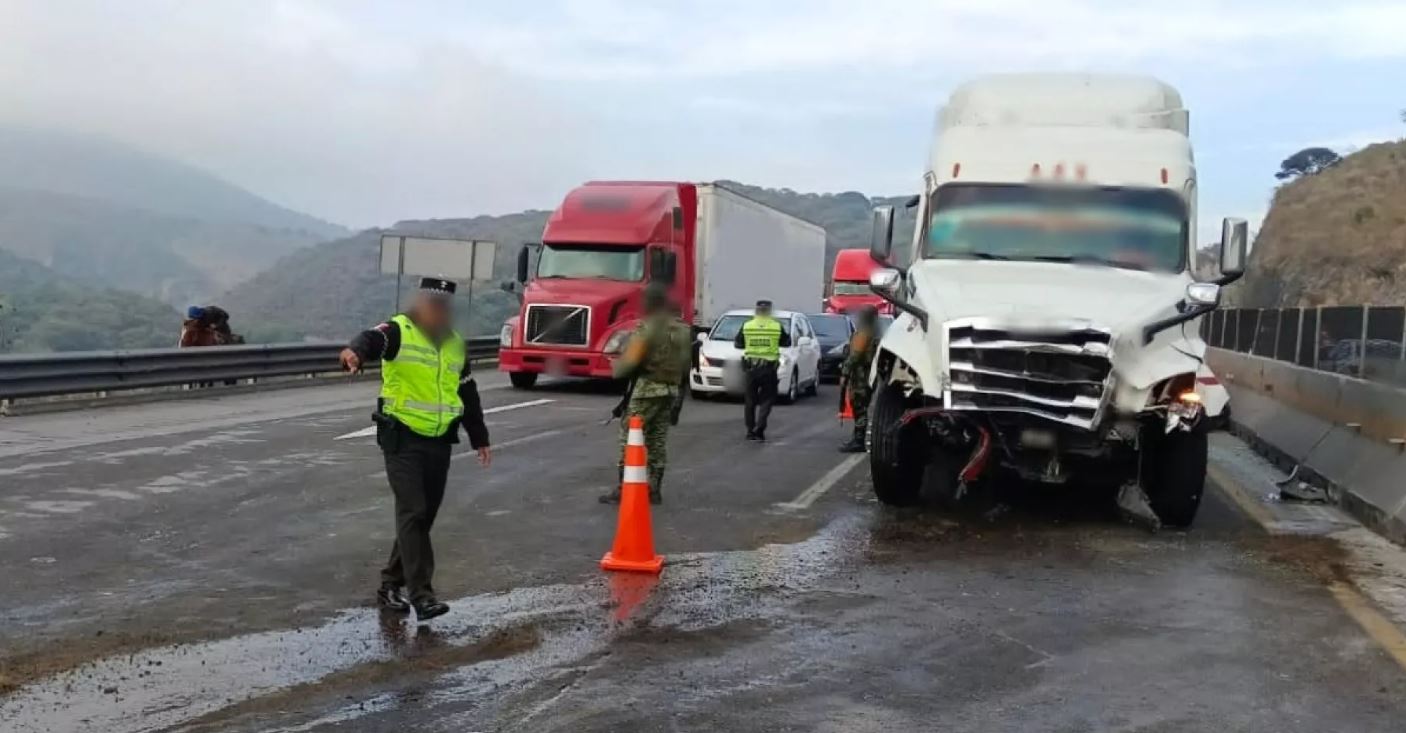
x,y
455,259
462,260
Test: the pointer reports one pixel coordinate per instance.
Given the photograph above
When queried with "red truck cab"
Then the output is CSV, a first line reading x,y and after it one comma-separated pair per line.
x,y
600,248
849,283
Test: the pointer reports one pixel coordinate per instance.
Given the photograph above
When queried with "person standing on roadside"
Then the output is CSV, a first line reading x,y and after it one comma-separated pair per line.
x,y
427,394
854,373
761,339
657,359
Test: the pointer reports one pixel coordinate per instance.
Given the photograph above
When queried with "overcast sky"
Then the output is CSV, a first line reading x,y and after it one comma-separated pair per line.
x,y
367,112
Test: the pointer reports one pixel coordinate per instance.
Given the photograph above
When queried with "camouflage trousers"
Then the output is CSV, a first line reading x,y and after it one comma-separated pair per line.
x,y
656,412
859,394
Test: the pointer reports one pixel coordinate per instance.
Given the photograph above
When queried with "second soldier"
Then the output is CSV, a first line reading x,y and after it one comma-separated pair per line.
x,y
656,361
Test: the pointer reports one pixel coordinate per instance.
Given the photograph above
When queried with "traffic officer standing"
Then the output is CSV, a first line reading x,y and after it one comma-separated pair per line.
x,y
427,393
854,373
761,339
657,359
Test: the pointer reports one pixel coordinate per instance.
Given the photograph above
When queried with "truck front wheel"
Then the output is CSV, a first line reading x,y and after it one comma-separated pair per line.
x,y
523,380
1174,473
895,461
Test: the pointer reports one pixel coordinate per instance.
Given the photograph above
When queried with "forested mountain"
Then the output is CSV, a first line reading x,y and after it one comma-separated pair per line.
x,y
116,217
41,310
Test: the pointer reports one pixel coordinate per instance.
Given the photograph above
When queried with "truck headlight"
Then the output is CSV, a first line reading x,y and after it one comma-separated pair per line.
x,y
616,343
505,337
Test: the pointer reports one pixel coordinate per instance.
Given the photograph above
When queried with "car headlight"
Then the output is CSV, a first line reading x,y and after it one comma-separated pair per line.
x,y
616,343
505,337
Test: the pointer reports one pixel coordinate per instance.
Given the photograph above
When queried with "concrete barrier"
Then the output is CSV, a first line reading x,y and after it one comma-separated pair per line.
x,y
1346,434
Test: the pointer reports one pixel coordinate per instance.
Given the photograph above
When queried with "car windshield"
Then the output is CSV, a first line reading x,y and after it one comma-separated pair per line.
x,y
840,287
1143,229
606,262
830,328
728,326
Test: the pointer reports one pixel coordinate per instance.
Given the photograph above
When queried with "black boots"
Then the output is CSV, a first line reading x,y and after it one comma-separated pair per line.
x,y
428,608
855,445
391,599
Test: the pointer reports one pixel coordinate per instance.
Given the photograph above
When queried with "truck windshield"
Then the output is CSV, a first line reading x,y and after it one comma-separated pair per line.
x,y
844,288
1143,229
606,262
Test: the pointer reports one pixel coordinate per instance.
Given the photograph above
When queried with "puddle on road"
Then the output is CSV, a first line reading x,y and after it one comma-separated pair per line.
x,y
207,685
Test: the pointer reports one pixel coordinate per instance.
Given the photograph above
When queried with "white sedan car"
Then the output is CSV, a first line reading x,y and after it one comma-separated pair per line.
x,y
720,362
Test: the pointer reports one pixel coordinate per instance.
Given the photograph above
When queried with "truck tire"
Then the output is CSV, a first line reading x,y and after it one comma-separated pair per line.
x,y
1174,473
895,461
523,380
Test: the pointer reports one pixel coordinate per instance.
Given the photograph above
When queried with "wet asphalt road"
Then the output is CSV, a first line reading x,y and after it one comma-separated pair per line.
x,y
207,565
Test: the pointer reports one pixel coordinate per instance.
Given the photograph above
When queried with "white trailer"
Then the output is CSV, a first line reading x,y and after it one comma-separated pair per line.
x,y
747,250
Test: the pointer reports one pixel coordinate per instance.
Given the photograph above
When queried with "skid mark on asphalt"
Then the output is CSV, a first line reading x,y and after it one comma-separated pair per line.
x,y
369,431
572,622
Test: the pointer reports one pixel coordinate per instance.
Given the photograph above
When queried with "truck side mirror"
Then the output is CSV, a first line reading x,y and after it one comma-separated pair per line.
x,y
1234,234
523,256
881,238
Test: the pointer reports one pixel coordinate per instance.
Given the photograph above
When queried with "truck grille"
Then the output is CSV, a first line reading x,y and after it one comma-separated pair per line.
x,y
559,325
1059,373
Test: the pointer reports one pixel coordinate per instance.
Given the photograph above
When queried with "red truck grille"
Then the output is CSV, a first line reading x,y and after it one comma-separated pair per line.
x,y
558,325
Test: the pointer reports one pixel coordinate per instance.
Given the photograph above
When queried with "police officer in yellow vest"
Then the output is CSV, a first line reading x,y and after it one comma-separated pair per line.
x,y
761,339
427,394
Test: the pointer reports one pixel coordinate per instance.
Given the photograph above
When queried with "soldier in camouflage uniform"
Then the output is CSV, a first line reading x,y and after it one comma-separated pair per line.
x,y
854,373
657,359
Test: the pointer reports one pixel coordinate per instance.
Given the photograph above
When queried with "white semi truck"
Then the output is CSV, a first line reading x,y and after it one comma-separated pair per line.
x,y
1048,325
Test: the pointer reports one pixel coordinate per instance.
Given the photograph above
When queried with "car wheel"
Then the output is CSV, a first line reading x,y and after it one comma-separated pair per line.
x,y
793,389
523,380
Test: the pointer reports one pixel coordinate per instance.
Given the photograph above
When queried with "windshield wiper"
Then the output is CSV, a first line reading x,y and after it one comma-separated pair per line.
x,y
975,255
1087,260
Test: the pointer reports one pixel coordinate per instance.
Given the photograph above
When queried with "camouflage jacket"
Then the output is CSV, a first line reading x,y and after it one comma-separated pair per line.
x,y
657,357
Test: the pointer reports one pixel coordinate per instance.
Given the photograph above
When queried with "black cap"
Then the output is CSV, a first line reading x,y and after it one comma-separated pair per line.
x,y
763,303
437,286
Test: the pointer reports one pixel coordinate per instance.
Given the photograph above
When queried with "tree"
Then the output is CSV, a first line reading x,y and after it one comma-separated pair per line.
x,y
1307,162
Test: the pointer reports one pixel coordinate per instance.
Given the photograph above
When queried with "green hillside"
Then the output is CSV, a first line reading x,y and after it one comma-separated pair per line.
x,y
41,310
116,217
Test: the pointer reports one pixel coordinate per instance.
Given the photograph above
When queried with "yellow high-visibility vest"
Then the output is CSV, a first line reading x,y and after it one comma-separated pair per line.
x,y
420,386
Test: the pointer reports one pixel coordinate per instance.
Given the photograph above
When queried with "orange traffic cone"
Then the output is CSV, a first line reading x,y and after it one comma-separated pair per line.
x,y
634,533
848,412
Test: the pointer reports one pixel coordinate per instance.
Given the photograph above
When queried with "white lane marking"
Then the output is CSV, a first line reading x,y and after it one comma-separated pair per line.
x,y
824,484
510,443
505,444
366,432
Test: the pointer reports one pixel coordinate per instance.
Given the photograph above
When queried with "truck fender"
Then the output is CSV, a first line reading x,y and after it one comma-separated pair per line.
x,y
904,355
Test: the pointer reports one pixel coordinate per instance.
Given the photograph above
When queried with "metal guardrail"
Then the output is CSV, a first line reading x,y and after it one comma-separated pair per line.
x,y
46,375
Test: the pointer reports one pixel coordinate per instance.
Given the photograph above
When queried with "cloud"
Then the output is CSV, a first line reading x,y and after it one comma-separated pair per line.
x,y
709,38
365,112
298,102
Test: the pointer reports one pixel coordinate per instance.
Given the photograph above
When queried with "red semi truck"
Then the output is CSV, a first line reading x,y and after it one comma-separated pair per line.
x,y
715,250
849,284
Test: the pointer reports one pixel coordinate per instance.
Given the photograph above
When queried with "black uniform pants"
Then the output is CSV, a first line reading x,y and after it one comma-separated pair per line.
x,y
760,393
417,468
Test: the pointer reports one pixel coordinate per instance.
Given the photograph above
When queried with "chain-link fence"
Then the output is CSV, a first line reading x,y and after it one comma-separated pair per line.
x,y
1360,341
